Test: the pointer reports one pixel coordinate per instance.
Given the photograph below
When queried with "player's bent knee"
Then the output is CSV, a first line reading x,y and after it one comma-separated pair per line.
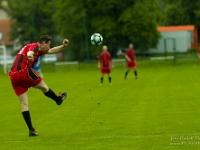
x,y
42,86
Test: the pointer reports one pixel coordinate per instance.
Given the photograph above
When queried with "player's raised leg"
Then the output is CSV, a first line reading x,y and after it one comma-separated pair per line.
x,y
23,98
50,93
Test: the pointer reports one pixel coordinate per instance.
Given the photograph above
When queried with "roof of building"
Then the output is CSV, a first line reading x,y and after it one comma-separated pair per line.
x,y
176,28
5,29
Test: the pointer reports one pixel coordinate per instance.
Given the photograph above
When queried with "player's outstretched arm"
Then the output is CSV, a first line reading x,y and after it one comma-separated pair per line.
x,y
58,48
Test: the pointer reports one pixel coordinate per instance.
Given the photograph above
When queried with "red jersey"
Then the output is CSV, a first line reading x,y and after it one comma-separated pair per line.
x,y
105,59
21,62
131,54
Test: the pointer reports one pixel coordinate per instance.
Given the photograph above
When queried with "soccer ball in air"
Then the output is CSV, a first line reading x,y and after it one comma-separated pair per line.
x,y
96,39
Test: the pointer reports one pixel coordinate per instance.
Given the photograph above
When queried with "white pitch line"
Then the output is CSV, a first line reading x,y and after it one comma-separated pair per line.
x,y
139,136
113,137
13,141
122,137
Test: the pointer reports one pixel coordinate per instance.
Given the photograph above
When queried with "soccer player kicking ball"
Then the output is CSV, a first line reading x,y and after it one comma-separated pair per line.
x,y
131,61
105,63
22,75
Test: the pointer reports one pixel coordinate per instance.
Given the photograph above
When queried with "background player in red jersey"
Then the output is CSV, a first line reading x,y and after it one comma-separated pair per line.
x,y
23,76
105,63
131,61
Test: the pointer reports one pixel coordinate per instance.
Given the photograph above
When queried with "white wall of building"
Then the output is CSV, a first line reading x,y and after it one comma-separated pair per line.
x,y
182,40
3,15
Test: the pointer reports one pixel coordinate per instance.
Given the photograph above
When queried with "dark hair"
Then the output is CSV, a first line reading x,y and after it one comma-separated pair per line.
x,y
44,38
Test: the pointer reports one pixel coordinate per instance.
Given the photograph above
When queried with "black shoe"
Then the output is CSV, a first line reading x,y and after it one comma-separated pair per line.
x,y
62,96
33,133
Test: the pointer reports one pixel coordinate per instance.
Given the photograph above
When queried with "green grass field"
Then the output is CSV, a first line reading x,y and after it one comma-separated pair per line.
x,y
159,111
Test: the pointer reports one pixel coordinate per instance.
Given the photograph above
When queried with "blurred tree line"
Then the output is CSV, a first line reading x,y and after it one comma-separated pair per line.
x,y
181,12
119,21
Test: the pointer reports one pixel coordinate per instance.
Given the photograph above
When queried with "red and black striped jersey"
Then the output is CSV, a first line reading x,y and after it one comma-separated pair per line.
x,y
131,54
21,62
105,59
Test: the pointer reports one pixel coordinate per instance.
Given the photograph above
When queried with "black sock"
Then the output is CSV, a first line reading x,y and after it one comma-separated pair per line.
x,y
109,78
27,118
52,95
126,73
101,79
135,72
